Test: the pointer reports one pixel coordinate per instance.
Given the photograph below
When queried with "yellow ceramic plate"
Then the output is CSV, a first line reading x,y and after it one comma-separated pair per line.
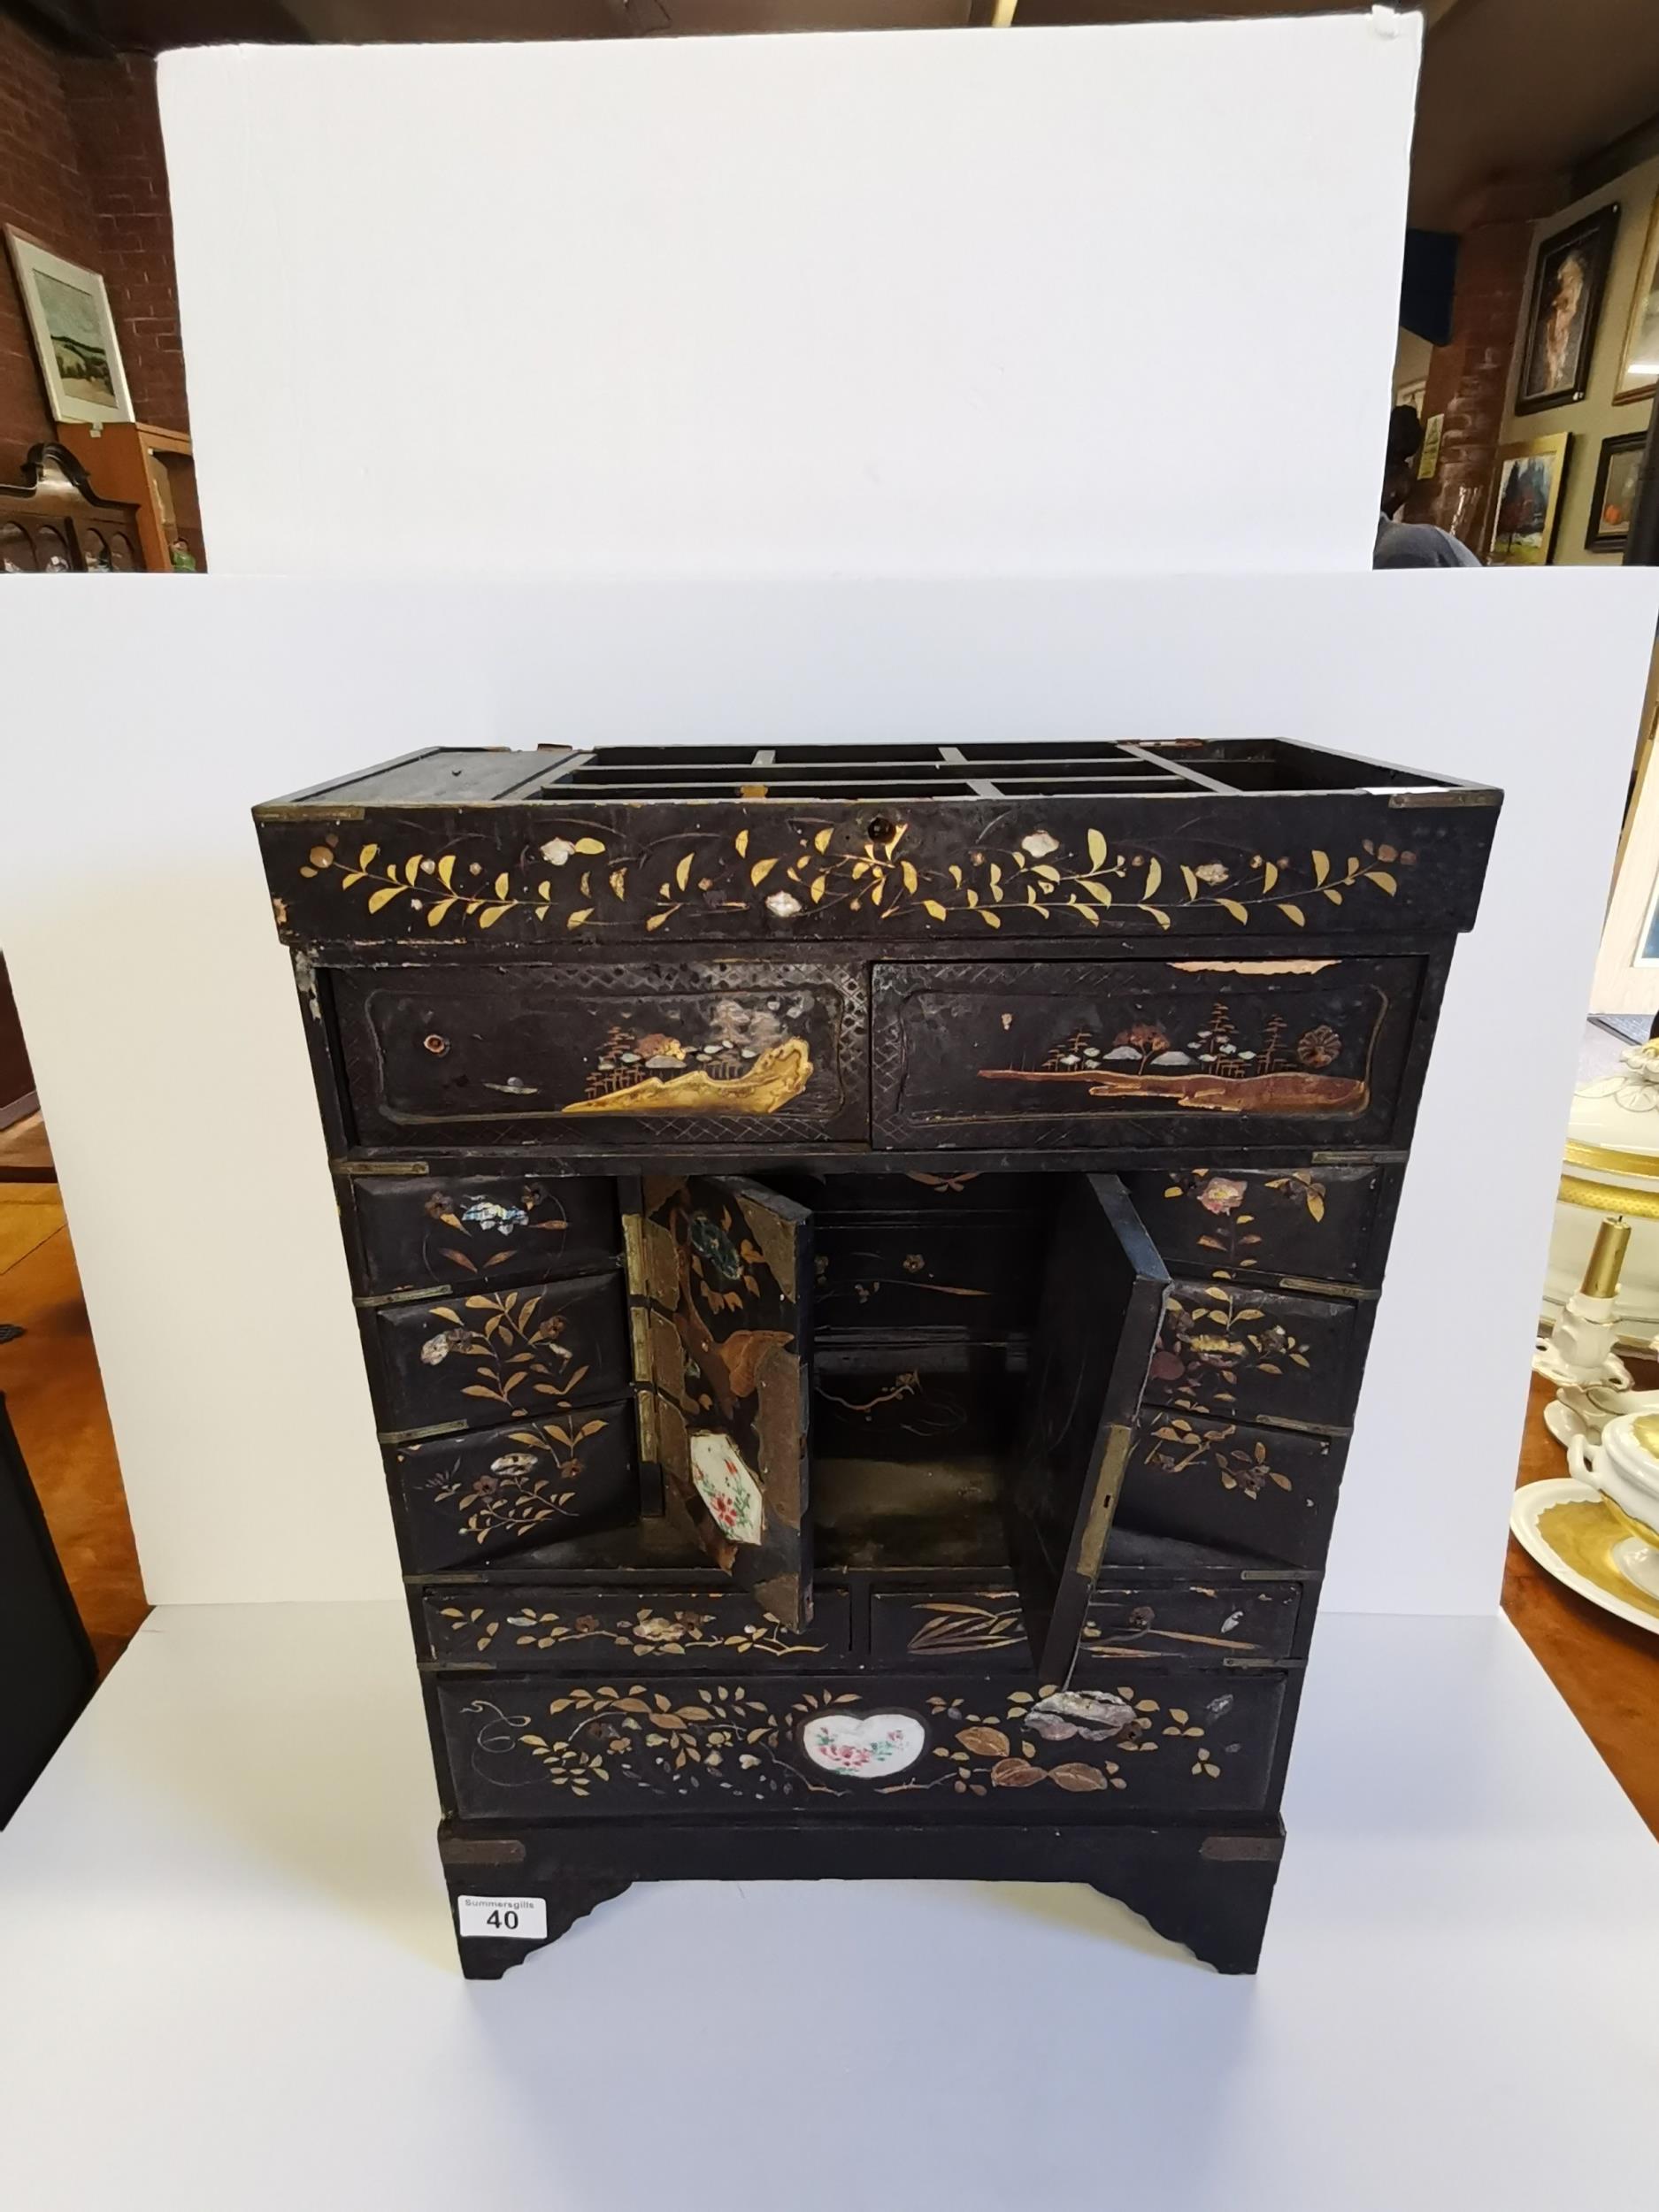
x,y
1571,1530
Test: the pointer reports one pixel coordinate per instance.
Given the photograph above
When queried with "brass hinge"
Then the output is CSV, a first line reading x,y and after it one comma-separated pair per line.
x,y
1260,1848
481,1851
1092,1545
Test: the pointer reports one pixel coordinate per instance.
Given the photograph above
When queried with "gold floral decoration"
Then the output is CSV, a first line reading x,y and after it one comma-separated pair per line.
x,y
531,1480
1246,1468
826,869
728,1739
512,1353
649,1634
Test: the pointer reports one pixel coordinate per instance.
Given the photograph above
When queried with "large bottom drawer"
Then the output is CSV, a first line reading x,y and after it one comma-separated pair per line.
x,y
533,1747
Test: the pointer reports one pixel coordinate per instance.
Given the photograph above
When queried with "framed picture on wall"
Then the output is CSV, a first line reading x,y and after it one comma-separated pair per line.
x,y
1627,965
1526,501
1639,363
1569,279
1613,501
69,319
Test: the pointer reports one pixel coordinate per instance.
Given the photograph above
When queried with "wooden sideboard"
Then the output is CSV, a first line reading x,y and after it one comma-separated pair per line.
x,y
155,470
54,523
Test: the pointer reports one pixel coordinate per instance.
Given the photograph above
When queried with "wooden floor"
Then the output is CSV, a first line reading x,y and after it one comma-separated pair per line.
x,y
50,1378
1607,1674
24,1151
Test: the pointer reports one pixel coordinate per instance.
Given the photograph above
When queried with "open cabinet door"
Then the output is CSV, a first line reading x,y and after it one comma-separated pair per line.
x,y
728,1267
1102,1299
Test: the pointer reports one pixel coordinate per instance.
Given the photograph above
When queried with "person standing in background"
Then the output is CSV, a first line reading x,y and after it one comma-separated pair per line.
x,y
1410,544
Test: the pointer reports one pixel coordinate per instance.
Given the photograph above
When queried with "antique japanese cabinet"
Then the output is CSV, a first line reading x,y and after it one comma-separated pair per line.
x,y
864,1262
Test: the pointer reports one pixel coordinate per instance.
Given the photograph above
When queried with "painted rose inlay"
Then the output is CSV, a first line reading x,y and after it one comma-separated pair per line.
x,y
727,1488
863,1744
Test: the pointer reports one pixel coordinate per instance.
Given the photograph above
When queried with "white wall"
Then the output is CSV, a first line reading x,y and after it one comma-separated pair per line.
x,y
168,1046
971,307
935,302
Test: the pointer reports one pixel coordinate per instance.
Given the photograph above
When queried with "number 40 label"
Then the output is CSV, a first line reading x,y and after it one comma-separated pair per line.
x,y
511,1919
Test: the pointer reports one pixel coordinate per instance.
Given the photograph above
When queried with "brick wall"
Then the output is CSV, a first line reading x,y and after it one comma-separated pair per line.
x,y
1467,380
81,170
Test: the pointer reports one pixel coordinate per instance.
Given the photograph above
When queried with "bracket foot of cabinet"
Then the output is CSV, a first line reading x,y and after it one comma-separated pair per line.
x,y
1209,1890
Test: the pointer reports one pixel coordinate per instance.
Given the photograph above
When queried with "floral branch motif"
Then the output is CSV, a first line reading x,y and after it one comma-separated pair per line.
x,y
495,1220
534,1482
508,1348
1246,1468
728,1739
833,867
648,1635
990,1751
1204,1347
724,1739
1223,1196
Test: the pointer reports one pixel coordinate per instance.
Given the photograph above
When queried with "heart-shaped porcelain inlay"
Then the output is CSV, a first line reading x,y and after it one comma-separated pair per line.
x,y
868,1746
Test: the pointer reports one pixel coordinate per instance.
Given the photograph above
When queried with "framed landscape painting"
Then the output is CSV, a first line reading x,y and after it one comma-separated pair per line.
x,y
1526,501
1613,501
69,319
1568,280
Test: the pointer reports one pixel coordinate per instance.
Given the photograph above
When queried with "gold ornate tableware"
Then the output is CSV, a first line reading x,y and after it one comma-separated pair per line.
x,y
1573,1532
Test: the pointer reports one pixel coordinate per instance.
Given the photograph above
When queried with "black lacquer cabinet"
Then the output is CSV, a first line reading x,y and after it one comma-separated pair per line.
x,y
864,1262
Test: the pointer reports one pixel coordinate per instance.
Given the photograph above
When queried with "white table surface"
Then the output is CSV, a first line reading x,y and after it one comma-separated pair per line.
x,y
227,1979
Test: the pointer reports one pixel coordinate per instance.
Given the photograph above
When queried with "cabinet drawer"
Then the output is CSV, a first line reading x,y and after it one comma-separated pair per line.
x,y
1270,1493
1245,1353
1195,1624
461,1499
918,1191
1188,1622
590,1058
977,1274
1325,1224
522,1625
474,1362
436,1233
1140,1051
940,1747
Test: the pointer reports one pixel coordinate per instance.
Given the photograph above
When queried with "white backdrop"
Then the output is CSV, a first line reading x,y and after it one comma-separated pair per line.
x,y
168,1047
934,303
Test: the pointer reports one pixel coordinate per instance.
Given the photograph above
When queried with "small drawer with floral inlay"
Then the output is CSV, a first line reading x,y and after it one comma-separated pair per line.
x,y
438,1233
522,1625
475,1360
1196,1624
1034,1053
588,1057
938,1747
481,1494
1325,1224
1260,1493
1244,1352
